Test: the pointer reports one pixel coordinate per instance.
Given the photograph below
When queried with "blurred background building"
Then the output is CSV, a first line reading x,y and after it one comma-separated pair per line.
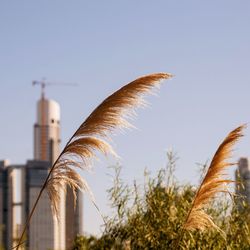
x,y
17,197
242,176
5,219
47,130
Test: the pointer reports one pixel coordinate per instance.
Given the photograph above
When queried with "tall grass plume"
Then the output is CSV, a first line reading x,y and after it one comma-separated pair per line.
x,y
90,137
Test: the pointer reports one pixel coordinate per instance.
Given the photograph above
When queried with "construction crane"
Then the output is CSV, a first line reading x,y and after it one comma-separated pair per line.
x,y
43,139
43,83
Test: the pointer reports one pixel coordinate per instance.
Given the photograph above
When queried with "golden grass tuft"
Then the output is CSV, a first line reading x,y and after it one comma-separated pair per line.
x,y
212,184
111,114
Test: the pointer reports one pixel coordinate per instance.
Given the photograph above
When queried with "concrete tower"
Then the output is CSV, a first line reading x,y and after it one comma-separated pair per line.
x,y
45,231
4,206
47,130
74,217
9,205
242,176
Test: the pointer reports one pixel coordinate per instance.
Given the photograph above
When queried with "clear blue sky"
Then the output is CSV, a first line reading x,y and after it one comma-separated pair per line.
x,y
102,45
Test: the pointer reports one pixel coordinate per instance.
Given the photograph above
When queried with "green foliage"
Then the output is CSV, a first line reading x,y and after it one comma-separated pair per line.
x,y
151,217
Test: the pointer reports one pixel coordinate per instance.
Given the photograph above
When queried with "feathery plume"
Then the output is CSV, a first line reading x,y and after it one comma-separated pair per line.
x,y
111,114
212,184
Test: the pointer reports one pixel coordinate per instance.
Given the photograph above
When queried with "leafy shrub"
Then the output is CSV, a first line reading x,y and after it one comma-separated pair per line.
x,y
152,217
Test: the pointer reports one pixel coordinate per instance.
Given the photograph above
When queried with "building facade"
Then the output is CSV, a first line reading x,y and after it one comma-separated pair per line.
x,y
47,130
4,190
74,217
10,206
44,231
242,176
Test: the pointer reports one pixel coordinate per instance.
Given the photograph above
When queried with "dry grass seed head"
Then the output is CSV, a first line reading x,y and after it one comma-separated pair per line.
x,y
111,114
212,183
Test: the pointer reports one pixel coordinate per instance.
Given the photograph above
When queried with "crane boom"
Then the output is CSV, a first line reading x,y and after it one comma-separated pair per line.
x,y
43,83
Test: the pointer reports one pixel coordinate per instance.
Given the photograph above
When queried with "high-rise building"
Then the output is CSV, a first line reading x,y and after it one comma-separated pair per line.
x,y
44,231
4,190
242,176
47,130
74,217
10,205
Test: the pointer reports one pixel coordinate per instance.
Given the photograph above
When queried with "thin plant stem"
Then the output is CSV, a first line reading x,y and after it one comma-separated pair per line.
x,y
189,212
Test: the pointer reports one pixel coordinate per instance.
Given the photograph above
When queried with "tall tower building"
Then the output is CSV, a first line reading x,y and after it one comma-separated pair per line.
x,y
4,218
44,231
47,130
242,176
9,205
74,217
